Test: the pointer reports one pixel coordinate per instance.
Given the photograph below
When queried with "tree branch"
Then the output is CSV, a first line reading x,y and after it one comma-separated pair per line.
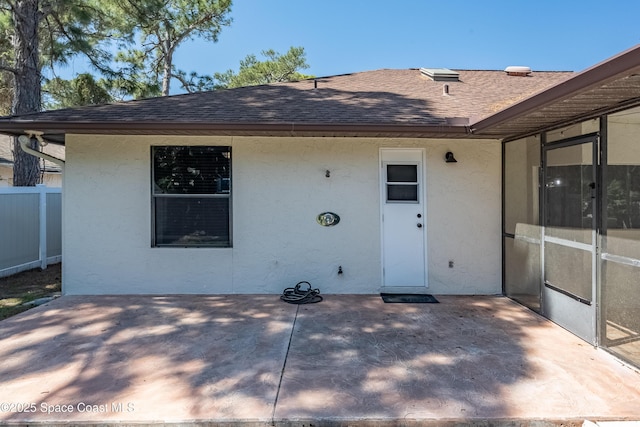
x,y
186,84
10,6
92,60
8,69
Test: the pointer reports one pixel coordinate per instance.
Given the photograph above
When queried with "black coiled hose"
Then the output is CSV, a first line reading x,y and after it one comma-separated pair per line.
x,y
302,293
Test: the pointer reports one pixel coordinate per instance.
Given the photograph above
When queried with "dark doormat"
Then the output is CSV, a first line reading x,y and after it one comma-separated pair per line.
x,y
409,298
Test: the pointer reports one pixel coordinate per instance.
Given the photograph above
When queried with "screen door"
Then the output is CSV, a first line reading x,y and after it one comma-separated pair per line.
x,y
570,209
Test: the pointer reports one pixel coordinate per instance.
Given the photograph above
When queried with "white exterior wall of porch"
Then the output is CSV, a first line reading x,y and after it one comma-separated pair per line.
x,y
279,187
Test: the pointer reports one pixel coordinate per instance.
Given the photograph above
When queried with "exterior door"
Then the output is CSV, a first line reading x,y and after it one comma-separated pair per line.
x,y
569,232
403,218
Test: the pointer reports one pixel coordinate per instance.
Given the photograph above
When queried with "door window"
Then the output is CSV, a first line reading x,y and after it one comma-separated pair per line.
x,y
570,191
402,183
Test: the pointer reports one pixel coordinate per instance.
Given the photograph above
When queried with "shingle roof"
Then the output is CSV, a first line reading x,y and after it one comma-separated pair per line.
x,y
373,99
611,85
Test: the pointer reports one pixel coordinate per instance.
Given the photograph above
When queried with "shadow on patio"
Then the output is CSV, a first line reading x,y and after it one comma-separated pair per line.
x,y
351,358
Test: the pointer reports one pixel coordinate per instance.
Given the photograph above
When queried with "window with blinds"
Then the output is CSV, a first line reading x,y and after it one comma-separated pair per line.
x,y
402,183
191,196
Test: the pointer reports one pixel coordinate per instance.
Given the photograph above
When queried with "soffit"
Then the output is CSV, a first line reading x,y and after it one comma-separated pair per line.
x,y
609,86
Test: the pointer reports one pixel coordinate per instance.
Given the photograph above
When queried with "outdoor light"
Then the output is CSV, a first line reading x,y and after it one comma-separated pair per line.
x,y
448,158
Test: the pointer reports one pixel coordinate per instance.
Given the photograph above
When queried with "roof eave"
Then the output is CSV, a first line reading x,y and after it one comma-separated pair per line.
x,y
625,63
58,129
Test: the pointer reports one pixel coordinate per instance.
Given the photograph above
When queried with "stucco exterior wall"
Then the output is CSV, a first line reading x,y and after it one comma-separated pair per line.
x,y
279,187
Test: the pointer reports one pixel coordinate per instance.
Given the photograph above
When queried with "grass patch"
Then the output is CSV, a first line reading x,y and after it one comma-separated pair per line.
x,y
21,288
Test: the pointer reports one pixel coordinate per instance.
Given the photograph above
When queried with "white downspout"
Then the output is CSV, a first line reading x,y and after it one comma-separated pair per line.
x,y
24,140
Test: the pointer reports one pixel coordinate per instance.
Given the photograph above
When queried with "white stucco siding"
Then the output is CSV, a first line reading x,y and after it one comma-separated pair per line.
x,y
279,187
107,245
464,218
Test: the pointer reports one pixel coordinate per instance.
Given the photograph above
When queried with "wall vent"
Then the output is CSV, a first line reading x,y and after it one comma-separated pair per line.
x,y
441,74
518,71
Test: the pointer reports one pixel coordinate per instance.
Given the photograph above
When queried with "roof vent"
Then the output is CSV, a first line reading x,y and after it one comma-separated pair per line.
x,y
441,74
517,70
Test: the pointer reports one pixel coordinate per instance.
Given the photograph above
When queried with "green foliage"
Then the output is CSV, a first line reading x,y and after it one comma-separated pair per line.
x,y
96,29
144,35
6,94
83,90
162,25
65,29
6,30
276,68
194,82
18,290
68,28
6,78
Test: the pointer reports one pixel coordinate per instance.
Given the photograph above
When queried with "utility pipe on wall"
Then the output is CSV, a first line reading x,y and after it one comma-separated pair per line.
x,y
24,140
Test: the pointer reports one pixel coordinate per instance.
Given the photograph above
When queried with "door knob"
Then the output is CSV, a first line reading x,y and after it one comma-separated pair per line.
x,y
419,215
419,225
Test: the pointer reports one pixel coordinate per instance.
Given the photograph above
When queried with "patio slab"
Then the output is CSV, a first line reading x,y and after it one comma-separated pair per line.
x,y
349,360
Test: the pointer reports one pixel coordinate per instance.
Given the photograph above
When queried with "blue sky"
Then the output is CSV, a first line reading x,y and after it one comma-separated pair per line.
x,y
344,36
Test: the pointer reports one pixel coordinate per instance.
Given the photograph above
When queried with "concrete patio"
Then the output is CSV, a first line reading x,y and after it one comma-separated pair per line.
x,y
349,360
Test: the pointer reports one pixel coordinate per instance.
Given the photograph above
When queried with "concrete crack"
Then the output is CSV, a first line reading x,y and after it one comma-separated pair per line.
x,y
284,365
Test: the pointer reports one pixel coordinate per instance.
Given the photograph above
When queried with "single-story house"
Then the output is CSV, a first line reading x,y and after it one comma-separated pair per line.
x,y
50,173
516,182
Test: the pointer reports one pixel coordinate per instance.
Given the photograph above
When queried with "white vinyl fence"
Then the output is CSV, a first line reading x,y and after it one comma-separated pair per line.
x,y
30,228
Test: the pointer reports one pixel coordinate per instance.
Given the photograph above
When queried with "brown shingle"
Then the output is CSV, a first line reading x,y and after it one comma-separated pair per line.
x,y
381,97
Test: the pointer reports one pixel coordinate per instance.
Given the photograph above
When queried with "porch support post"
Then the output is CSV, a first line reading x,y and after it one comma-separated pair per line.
x,y
42,193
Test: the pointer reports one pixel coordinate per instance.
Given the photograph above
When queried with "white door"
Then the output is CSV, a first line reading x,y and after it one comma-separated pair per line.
x,y
403,218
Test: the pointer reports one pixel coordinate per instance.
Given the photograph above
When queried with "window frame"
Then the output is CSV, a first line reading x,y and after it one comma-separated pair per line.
x,y
388,184
155,196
